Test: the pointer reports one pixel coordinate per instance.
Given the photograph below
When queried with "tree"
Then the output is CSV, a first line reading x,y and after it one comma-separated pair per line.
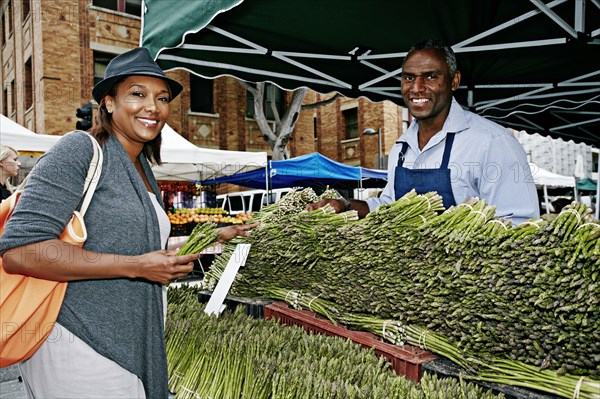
x,y
284,126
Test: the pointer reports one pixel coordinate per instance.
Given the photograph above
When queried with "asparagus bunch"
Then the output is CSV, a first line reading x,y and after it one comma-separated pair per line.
x,y
234,356
202,236
498,370
528,292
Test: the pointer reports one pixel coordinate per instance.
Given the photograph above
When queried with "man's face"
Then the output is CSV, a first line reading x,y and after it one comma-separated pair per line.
x,y
427,86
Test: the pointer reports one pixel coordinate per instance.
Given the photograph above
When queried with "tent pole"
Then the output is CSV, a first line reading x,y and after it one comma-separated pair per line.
x,y
597,197
546,199
267,177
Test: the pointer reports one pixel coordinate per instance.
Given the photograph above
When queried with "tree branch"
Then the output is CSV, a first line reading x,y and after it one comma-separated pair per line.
x,y
259,113
321,103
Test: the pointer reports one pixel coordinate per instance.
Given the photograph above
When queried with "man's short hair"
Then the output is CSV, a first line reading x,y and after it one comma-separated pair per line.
x,y
437,45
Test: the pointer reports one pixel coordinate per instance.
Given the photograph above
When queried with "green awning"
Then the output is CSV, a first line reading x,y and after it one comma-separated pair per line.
x,y
586,184
528,65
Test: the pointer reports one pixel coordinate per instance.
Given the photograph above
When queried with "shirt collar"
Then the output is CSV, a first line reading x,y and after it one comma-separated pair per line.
x,y
456,122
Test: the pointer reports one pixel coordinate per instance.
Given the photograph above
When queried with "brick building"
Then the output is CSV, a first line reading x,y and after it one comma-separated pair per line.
x,y
52,53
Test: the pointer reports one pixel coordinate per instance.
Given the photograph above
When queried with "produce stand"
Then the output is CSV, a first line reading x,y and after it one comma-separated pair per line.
x,y
406,360
513,305
237,356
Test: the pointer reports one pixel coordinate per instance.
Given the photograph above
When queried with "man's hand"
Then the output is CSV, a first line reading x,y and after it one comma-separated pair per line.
x,y
339,205
342,205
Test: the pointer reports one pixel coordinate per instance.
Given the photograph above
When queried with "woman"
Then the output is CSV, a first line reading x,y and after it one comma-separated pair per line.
x,y
9,167
108,340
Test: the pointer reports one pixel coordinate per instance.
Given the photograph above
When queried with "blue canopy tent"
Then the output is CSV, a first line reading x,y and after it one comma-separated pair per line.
x,y
311,170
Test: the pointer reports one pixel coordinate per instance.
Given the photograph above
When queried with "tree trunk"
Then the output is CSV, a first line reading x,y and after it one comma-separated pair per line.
x,y
276,137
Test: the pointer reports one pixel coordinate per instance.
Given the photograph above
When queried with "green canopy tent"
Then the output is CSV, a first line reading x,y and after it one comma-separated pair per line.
x,y
586,184
591,186
532,65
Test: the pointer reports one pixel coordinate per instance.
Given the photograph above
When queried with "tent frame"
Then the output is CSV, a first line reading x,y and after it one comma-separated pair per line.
x,y
573,86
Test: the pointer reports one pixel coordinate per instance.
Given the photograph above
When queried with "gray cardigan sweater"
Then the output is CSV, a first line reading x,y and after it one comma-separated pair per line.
x,y
120,318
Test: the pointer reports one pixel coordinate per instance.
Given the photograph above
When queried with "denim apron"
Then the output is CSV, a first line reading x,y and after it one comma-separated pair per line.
x,y
426,180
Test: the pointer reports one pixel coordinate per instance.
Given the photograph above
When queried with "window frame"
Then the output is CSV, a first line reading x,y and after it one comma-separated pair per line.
x,y
28,87
25,10
350,129
97,55
122,6
202,88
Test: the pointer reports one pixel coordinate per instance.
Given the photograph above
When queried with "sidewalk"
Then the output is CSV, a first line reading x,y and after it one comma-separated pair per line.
x,y
10,386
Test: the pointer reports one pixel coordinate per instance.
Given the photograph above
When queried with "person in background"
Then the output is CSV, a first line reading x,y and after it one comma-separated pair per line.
x,y
448,149
108,341
9,167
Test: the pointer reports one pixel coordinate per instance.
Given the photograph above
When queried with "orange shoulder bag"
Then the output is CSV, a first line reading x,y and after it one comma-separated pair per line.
x,y
29,306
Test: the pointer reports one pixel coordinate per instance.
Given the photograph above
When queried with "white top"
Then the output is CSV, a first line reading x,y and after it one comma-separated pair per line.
x,y
163,221
486,161
165,230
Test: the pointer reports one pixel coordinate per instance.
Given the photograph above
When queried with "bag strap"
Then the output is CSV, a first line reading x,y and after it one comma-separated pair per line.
x,y
91,180
93,175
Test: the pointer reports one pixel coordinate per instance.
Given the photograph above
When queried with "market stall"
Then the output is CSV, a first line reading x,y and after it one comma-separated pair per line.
x,y
184,167
510,306
22,139
184,161
545,179
30,145
309,170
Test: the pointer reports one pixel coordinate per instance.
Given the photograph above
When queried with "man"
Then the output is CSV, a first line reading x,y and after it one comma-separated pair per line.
x,y
450,150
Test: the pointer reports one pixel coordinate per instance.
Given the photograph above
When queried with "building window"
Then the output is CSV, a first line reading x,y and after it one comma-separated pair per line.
x,y
351,123
273,95
101,61
13,98
26,8
201,94
5,100
28,84
132,7
8,20
2,34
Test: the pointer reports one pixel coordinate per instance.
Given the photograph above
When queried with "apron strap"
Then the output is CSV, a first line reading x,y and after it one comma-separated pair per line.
x,y
402,152
445,158
447,149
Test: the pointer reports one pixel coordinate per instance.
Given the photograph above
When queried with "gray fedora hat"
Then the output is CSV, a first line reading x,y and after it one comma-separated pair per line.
x,y
133,62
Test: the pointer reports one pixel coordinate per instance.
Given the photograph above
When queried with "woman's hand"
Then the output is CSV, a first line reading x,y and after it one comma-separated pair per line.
x,y
236,230
164,266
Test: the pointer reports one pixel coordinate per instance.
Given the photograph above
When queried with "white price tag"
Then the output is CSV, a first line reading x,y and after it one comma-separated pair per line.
x,y
238,259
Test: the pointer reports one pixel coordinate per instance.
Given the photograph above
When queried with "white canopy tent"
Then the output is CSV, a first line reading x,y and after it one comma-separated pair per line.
x,y
183,160
545,179
22,139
